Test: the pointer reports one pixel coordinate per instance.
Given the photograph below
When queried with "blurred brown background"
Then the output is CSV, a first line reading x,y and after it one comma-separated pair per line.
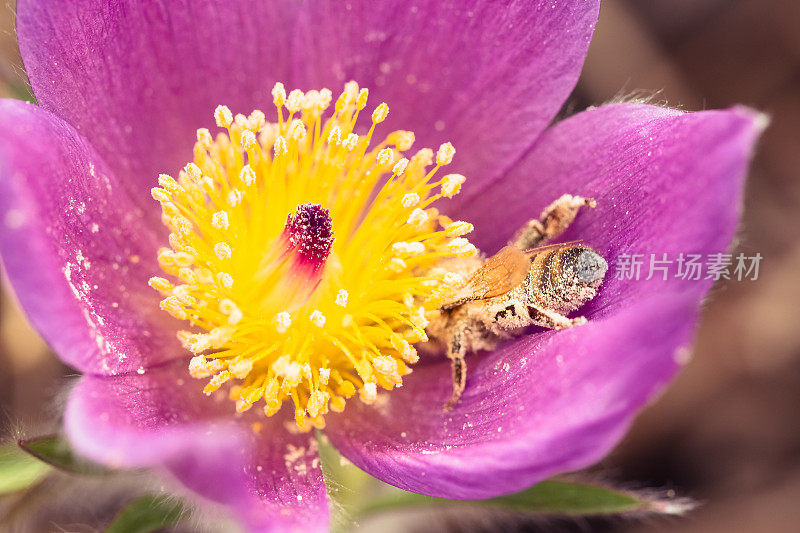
x,y
728,430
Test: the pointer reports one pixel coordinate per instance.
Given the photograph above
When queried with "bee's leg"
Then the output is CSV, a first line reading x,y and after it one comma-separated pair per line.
x,y
554,220
552,320
456,350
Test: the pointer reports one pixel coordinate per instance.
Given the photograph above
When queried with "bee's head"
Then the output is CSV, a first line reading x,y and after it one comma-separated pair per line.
x,y
580,271
583,267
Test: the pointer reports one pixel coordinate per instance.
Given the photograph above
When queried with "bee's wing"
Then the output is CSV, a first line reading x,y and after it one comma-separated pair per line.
x,y
502,272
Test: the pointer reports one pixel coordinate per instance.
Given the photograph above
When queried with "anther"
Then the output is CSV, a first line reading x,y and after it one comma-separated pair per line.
x,y
234,197
341,102
187,275
400,166
337,404
335,135
419,319
204,138
361,101
172,305
223,116
397,265
223,250
257,119
220,220
160,195
298,130
317,318
385,156
325,97
403,140
226,306
459,228
283,321
316,402
181,224
341,298
216,382
451,184
324,375
280,146
408,248
247,175
380,113
417,217
461,247
194,172
225,280
445,154
385,365
422,158
235,317
279,94
351,141
231,310
240,120
199,367
249,140
369,393
409,353
159,284
409,200
182,259
311,101
169,183
294,101
240,368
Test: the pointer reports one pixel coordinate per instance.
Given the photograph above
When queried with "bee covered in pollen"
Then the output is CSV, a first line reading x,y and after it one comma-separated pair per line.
x,y
525,283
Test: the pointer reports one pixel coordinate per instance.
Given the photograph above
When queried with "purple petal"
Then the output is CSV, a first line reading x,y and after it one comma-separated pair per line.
x,y
557,401
269,479
665,181
487,77
545,404
137,79
491,78
76,249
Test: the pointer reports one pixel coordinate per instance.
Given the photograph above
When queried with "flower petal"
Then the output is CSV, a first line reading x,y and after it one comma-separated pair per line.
x,y
269,478
550,402
138,79
664,181
539,406
76,249
492,78
489,78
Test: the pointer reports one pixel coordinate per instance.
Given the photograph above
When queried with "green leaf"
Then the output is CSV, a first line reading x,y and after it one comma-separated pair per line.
x,y
358,495
56,451
18,470
146,514
565,497
547,497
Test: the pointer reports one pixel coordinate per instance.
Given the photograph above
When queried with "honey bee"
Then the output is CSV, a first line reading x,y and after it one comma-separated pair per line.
x,y
525,283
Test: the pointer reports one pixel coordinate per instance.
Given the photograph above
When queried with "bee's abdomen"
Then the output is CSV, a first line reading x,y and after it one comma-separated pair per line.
x,y
544,275
555,281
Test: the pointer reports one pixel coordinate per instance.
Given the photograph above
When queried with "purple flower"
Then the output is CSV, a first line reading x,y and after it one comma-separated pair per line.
x,y
122,89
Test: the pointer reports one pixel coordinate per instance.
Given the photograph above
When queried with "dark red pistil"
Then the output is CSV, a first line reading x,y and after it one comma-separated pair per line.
x,y
309,233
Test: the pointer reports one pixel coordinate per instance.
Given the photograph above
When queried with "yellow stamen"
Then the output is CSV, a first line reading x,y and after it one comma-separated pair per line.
x,y
312,309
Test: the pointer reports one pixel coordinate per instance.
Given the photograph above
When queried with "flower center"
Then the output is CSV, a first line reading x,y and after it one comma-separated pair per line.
x,y
305,254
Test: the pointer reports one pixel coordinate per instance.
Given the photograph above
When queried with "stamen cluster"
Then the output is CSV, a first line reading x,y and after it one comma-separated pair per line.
x,y
304,255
